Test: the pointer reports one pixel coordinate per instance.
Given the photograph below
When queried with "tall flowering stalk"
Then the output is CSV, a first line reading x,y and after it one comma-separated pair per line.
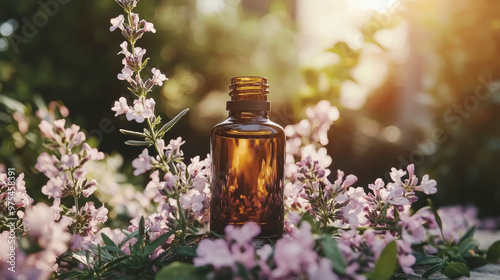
x,y
182,192
64,166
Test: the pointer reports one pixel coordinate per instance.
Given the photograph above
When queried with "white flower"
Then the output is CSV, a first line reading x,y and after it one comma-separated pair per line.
x,y
126,74
158,77
139,113
427,186
142,163
117,22
121,106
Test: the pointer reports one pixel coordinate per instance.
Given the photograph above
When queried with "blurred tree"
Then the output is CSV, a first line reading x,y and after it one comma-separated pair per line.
x,y
461,44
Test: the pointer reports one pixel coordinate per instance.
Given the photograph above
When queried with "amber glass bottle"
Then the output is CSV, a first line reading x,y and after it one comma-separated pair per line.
x,y
248,160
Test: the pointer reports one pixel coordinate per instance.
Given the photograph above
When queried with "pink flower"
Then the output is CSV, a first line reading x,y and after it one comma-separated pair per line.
x,y
60,124
264,253
142,163
140,112
322,271
47,164
194,200
121,106
147,26
70,160
54,187
293,255
126,74
92,153
215,253
413,230
427,186
46,129
117,22
89,189
242,235
158,78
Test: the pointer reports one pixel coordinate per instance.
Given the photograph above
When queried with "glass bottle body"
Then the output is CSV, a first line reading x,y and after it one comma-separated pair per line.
x,y
248,158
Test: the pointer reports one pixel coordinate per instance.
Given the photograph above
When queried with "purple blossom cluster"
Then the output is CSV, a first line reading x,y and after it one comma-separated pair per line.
x,y
65,168
46,239
16,191
294,255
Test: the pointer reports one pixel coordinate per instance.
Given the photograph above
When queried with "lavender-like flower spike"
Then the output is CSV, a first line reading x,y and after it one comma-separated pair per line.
x,y
127,4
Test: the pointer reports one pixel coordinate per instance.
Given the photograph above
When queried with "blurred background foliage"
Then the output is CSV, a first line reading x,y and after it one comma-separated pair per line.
x,y
415,81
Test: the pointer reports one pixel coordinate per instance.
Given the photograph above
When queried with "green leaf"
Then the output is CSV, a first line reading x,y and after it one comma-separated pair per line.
x,y
113,249
137,143
179,271
185,251
455,270
493,254
332,251
129,236
80,256
433,269
171,123
387,263
242,271
132,133
149,248
108,240
141,228
469,234
144,63
436,216
73,274
466,245
430,260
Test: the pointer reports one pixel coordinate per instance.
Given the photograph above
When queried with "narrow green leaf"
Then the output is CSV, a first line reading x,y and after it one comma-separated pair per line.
x,y
73,274
185,251
436,216
173,121
430,260
137,143
150,247
132,133
466,245
433,269
493,254
142,228
455,270
129,236
80,257
469,234
387,263
113,249
332,251
144,63
108,240
179,271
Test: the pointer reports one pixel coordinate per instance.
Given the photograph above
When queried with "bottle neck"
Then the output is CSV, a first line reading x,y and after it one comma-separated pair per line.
x,y
249,98
260,115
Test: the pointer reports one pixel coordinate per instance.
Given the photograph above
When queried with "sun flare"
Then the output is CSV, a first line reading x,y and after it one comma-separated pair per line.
x,y
377,5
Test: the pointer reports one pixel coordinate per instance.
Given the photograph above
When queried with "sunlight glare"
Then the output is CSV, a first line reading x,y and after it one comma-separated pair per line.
x,y
377,5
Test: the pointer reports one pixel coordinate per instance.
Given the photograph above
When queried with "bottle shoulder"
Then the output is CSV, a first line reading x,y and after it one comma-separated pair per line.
x,y
248,128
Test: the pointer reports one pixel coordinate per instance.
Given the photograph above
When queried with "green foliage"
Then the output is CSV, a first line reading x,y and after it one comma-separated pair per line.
x,y
331,250
493,254
111,262
387,263
180,271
